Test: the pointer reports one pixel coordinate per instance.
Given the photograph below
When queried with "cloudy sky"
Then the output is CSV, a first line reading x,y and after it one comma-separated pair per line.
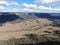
x,y
30,6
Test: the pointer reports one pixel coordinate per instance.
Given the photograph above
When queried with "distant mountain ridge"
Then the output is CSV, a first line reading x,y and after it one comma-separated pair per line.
x,y
46,15
40,15
7,17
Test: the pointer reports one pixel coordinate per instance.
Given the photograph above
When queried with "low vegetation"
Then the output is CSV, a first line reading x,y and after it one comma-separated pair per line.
x,y
30,39
56,23
57,32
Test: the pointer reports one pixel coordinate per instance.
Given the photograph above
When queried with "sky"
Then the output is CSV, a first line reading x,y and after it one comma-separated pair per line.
x,y
30,6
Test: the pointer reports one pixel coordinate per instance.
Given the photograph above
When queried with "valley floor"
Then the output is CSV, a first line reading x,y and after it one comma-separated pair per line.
x,y
18,30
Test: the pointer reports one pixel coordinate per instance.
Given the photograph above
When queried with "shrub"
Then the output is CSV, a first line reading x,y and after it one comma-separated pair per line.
x,y
56,23
57,32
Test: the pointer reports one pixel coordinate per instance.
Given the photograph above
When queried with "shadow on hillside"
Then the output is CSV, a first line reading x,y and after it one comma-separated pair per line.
x,y
44,43
47,16
8,17
49,43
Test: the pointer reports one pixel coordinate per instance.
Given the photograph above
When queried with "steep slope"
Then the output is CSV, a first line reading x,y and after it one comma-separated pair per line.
x,y
50,16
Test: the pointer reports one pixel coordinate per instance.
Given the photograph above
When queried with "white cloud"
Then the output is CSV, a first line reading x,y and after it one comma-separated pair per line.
x,y
12,3
48,8
28,10
47,1
1,8
14,10
29,5
35,8
41,7
10,10
8,3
